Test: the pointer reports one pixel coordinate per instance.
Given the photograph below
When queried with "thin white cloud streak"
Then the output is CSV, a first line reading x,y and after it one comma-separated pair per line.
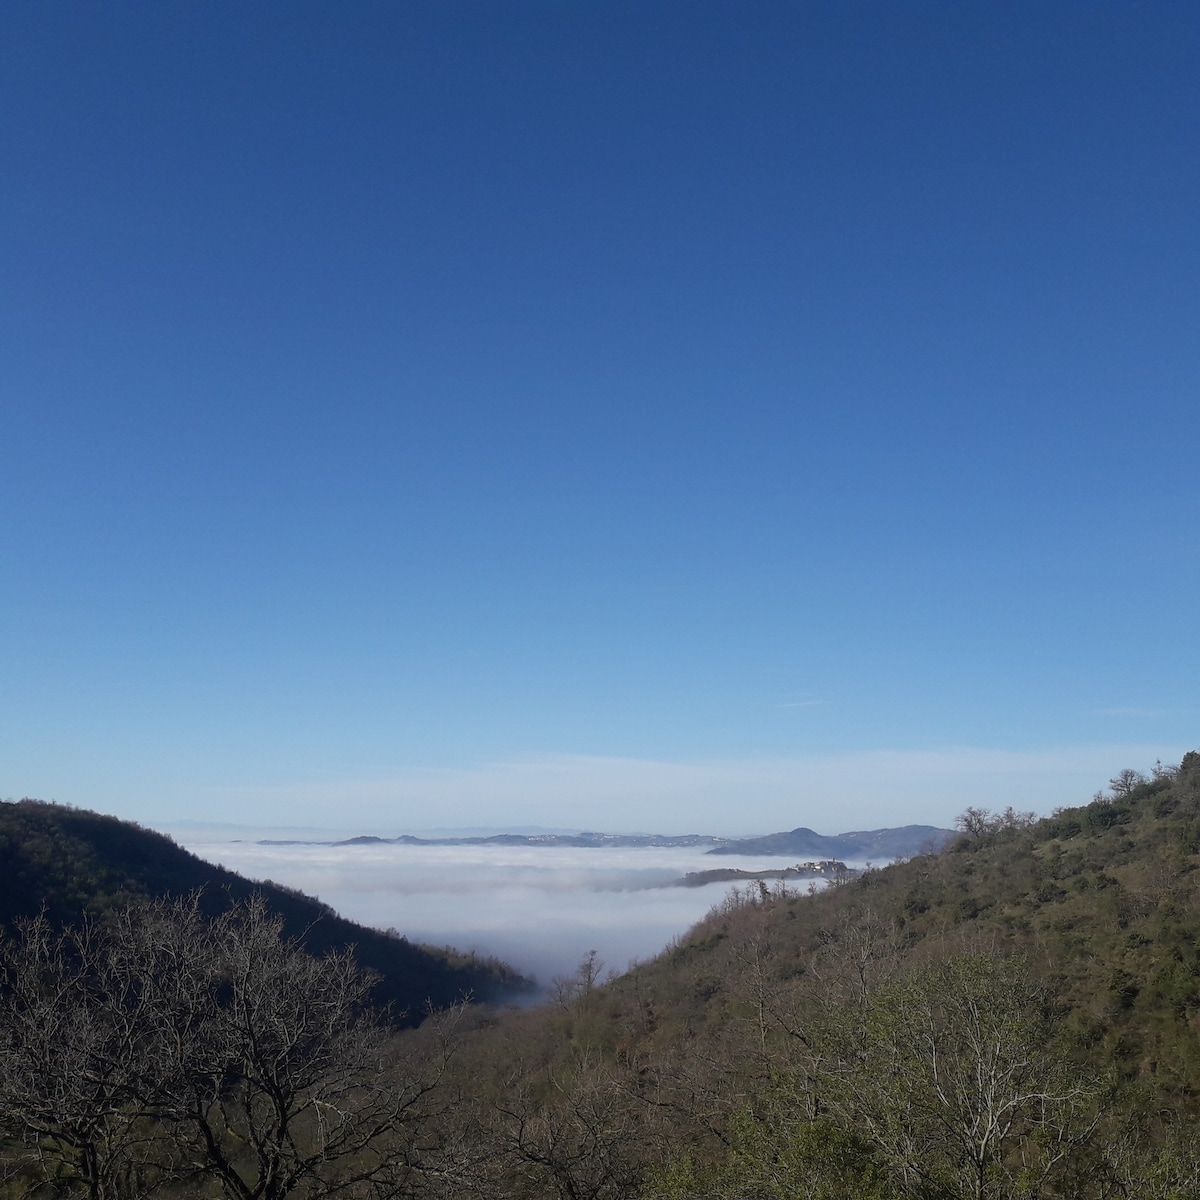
x,y
1130,713
831,793
539,907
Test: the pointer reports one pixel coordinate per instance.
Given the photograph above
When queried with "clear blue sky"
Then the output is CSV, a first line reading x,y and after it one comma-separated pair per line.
x,y
606,414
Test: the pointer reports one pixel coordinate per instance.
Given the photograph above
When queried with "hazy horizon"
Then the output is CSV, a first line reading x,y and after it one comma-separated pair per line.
x,y
334,834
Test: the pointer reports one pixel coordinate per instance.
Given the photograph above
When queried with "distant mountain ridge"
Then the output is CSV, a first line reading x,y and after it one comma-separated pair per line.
x,y
586,840
883,844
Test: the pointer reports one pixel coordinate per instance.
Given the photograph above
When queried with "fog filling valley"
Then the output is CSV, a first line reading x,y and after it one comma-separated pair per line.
x,y
540,908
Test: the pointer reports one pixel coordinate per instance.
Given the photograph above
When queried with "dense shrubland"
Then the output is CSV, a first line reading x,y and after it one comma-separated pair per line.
x,y
1015,1017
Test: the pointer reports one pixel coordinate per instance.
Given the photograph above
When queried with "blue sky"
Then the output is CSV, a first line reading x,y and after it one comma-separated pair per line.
x,y
626,415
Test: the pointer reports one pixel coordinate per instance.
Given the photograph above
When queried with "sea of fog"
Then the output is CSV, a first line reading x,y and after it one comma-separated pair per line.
x,y
540,908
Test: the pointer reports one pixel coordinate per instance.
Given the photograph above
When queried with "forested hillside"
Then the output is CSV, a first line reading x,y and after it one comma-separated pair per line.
x,y
1013,1018
66,862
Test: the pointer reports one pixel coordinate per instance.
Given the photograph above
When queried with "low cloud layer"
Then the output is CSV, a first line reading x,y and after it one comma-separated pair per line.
x,y
540,908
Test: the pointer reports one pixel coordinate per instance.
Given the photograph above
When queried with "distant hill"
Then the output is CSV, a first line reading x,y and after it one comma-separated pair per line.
x,y
881,844
587,840
68,862
874,844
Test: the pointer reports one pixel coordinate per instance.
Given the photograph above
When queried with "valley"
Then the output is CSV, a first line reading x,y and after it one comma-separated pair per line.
x,y
853,1041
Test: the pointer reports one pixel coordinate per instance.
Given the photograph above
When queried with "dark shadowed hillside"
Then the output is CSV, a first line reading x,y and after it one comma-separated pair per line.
x,y
67,861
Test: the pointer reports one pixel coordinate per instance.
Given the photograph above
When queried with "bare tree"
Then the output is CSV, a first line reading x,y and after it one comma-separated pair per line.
x,y
975,822
567,989
978,823
162,1045
574,1135
1126,782
949,1075
76,1060
295,1088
